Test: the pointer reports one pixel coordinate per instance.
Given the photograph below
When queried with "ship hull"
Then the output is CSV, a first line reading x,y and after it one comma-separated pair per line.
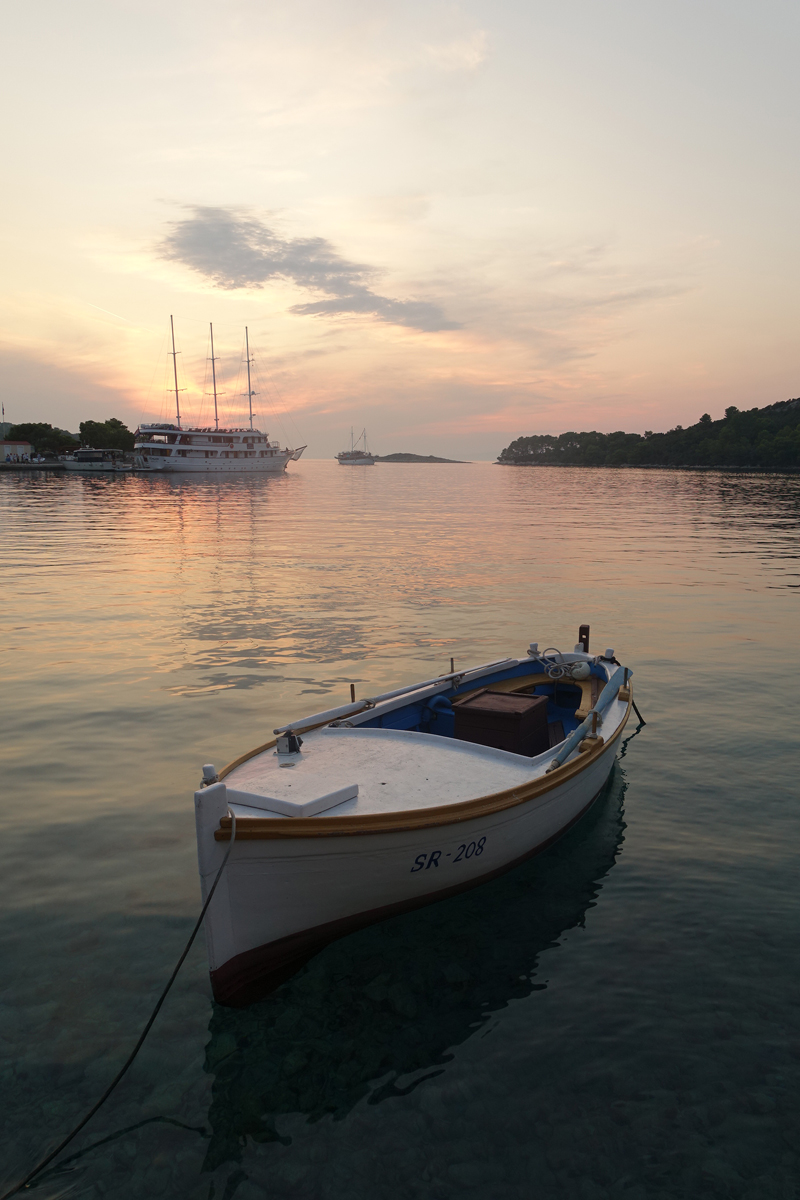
x,y
100,468
203,466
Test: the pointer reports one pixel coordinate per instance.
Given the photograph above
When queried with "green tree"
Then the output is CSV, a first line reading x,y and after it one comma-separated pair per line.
x,y
44,438
107,435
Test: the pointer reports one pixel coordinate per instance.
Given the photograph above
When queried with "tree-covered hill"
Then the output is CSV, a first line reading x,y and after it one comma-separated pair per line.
x,y
760,437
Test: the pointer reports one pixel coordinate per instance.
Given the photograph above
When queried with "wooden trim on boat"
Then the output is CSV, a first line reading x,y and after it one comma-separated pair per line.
x,y
590,694
243,758
281,828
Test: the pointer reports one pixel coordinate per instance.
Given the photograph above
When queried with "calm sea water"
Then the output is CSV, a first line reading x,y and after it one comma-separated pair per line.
x,y
618,1018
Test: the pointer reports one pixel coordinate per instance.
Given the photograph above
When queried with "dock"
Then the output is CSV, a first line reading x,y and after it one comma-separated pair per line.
x,y
45,466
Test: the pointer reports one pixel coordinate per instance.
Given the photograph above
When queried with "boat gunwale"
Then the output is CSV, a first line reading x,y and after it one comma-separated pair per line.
x,y
285,828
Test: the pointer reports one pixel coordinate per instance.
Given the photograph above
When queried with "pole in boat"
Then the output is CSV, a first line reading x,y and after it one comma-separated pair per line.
x,y
250,392
175,371
214,376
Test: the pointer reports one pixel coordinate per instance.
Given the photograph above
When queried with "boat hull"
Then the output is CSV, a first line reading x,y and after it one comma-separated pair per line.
x,y
101,468
280,901
203,466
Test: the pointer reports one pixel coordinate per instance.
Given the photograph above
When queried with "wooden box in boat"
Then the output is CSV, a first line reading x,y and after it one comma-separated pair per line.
x,y
388,813
504,720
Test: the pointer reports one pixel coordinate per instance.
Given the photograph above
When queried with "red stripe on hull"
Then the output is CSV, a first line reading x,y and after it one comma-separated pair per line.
x,y
254,974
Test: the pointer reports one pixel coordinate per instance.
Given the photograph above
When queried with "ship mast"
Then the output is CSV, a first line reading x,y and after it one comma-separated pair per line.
x,y
175,371
214,376
250,392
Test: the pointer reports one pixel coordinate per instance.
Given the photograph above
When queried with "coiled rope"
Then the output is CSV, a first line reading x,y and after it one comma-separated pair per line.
x,y
556,670
129,1061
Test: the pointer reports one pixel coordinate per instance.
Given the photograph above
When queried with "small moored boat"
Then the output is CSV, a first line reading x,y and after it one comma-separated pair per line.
x,y
386,804
87,459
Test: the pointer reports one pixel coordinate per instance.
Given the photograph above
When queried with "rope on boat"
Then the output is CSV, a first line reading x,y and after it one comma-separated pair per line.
x,y
556,667
129,1061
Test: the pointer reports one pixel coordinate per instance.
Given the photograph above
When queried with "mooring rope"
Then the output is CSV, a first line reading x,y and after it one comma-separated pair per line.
x,y
555,670
128,1062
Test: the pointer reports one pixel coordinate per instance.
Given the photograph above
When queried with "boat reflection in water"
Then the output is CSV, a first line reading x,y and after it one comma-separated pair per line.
x,y
377,1013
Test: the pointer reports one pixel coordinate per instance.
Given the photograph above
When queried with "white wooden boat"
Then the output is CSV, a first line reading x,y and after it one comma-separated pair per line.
x,y
378,806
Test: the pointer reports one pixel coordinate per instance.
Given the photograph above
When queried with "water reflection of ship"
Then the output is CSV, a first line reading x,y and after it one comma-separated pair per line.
x,y
377,1013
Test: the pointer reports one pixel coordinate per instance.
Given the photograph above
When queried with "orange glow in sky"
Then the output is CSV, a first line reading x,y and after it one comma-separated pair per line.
x,y
451,223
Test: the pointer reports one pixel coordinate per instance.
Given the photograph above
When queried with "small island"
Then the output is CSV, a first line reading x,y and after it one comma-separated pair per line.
x,y
415,458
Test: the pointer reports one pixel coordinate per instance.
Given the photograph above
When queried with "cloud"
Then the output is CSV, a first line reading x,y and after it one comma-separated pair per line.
x,y
236,250
465,54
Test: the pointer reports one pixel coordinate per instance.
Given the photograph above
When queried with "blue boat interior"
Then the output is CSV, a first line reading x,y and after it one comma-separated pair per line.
x,y
436,714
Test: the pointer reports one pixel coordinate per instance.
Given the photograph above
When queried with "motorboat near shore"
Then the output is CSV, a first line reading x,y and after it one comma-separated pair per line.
x,y
386,804
87,459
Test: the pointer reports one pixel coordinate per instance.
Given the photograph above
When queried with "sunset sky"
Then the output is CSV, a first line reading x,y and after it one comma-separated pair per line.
x,y
451,223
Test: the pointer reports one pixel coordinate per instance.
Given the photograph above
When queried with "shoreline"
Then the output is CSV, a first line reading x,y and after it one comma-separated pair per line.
x,y
655,467
57,466
45,466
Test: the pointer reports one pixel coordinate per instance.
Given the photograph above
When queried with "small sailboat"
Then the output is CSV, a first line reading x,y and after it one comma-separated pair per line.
x,y
359,453
172,448
385,804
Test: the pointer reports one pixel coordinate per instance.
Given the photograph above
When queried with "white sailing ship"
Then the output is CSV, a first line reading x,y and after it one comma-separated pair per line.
x,y
355,456
174,447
